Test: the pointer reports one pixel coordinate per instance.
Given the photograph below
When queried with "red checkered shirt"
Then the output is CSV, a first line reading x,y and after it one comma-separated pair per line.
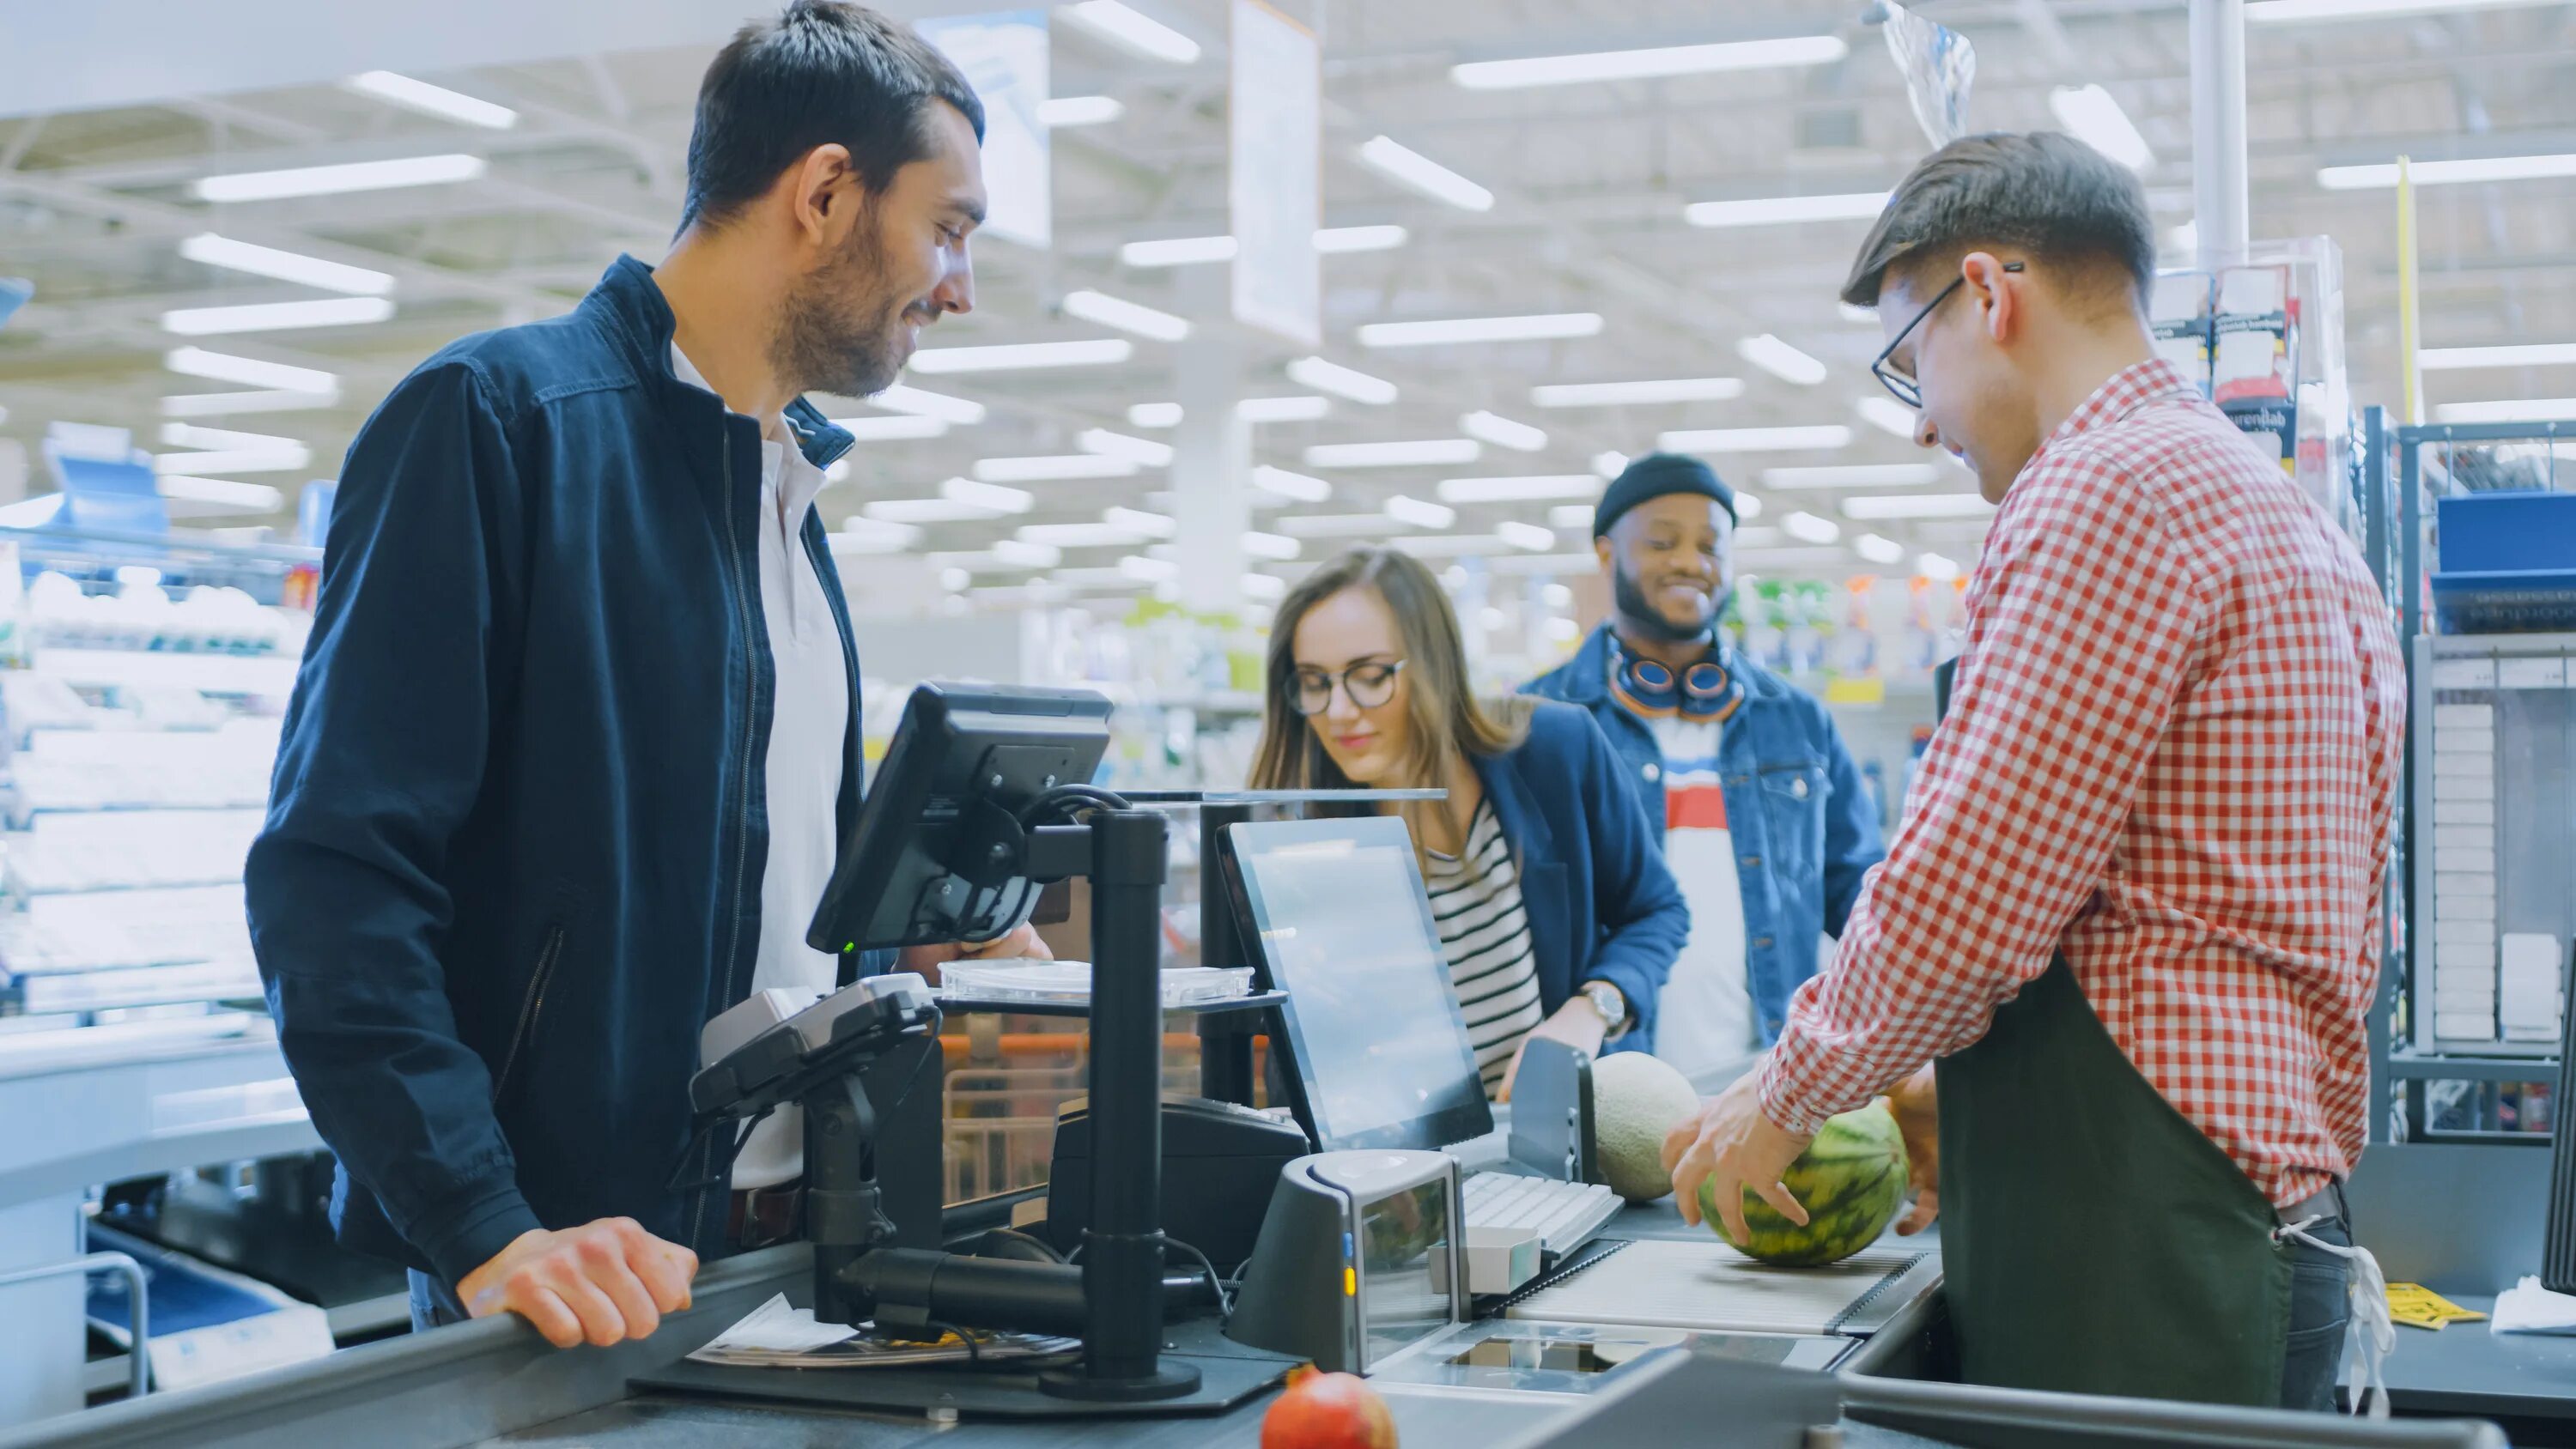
x,y
2171,752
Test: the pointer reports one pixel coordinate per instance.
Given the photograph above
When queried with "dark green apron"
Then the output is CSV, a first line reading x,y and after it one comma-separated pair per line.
x,y
2093,1240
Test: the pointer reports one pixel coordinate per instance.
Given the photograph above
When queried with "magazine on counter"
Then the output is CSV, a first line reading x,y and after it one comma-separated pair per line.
x,y
775,1335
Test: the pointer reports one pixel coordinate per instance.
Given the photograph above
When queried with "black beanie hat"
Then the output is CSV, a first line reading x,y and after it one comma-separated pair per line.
x,y
1654,476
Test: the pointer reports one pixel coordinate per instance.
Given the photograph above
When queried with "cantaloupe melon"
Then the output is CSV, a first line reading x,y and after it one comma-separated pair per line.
x,y
1636,1100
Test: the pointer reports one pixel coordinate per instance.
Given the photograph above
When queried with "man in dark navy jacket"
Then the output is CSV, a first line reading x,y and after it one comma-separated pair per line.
x,y
576,732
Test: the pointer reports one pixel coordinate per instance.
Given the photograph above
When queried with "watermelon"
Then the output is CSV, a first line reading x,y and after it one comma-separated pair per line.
x,y
1851,1180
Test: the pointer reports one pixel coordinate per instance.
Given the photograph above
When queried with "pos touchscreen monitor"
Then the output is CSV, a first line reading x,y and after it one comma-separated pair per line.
x,y
960,748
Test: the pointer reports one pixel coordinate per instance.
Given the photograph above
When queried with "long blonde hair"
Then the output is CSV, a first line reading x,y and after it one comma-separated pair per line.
x,y
1450,726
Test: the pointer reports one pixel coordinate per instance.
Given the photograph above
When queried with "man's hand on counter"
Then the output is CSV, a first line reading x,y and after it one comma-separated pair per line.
x,y
1021,943
600,1283
1731,1146
1918,1118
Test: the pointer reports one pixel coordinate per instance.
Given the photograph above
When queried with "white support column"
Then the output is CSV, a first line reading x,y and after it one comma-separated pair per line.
x,y
2218,174
1211,453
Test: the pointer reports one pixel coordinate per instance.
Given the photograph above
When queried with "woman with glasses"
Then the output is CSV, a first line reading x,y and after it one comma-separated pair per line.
x,y
1555,910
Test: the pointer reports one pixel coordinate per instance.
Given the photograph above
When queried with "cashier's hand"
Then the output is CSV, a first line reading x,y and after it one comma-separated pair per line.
x,y
1731,1146
1021,943
1918,1117
1577,1023
600,1283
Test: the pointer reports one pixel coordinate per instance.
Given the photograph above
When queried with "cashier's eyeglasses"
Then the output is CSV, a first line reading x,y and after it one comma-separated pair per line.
x,y
1369,683
1896,379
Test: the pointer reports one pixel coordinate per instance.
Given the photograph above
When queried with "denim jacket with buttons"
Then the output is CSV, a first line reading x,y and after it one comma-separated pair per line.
x,y
1803,824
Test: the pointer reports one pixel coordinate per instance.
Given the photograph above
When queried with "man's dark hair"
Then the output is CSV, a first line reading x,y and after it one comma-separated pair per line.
x,y
822,73
2071,207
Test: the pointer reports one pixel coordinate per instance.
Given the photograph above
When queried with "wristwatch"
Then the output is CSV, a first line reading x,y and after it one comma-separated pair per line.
x,y
1613,1007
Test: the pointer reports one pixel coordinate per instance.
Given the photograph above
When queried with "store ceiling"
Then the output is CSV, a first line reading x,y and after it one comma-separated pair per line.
x,y
1591,182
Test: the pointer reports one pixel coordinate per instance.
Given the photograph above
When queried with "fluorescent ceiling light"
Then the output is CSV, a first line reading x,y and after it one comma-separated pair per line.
x,y
1132,31
1053,469
1411,168
1637,394
227,404
1669,60
1918,505
1453,545
276,316
1178,251
1852,313
1858,475
274,458
1418,513
1610,464
1136,520
1432,452
259,261
430,100
1336,240
1571,515
1808,528
1341,381
1757,440
1296,487
1337,525
1746,505
922,510
1502,432
1878,550
2530,410
1149,570
1888,416
1780,359
1126,316
1023,356
2441,173
220,493
1142,451
1283,409
990,497
1519,490
188,435
1268,588
1080,535
868,535
2286,12
2093,116
1275,547
1062,112
248,371
2453,359
1019,553
1935,567
1527,537
1776,210
1154,415
335,180
1481,329
902,399
899,427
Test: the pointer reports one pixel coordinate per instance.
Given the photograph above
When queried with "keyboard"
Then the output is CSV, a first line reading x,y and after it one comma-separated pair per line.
x,y
1565,1215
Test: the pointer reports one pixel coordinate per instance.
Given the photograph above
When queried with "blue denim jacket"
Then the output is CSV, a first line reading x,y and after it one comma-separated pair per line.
x,y
1804,826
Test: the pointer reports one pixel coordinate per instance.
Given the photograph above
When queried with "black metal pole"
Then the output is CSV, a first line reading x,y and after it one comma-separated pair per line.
x,y
843,1215
1122,1264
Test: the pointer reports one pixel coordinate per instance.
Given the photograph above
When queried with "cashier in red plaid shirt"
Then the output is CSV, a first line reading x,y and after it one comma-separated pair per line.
x,y
2128,923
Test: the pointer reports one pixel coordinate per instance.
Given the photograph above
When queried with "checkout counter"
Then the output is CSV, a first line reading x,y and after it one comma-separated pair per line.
x,y
1792,1360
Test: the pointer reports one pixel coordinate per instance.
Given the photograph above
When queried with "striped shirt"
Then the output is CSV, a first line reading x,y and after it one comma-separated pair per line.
x,y
1484,931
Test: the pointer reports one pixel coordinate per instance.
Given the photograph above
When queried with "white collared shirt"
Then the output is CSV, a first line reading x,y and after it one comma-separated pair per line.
x,y
808,731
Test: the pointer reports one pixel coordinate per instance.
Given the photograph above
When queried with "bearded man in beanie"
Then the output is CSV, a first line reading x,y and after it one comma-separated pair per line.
x,y
1768,826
